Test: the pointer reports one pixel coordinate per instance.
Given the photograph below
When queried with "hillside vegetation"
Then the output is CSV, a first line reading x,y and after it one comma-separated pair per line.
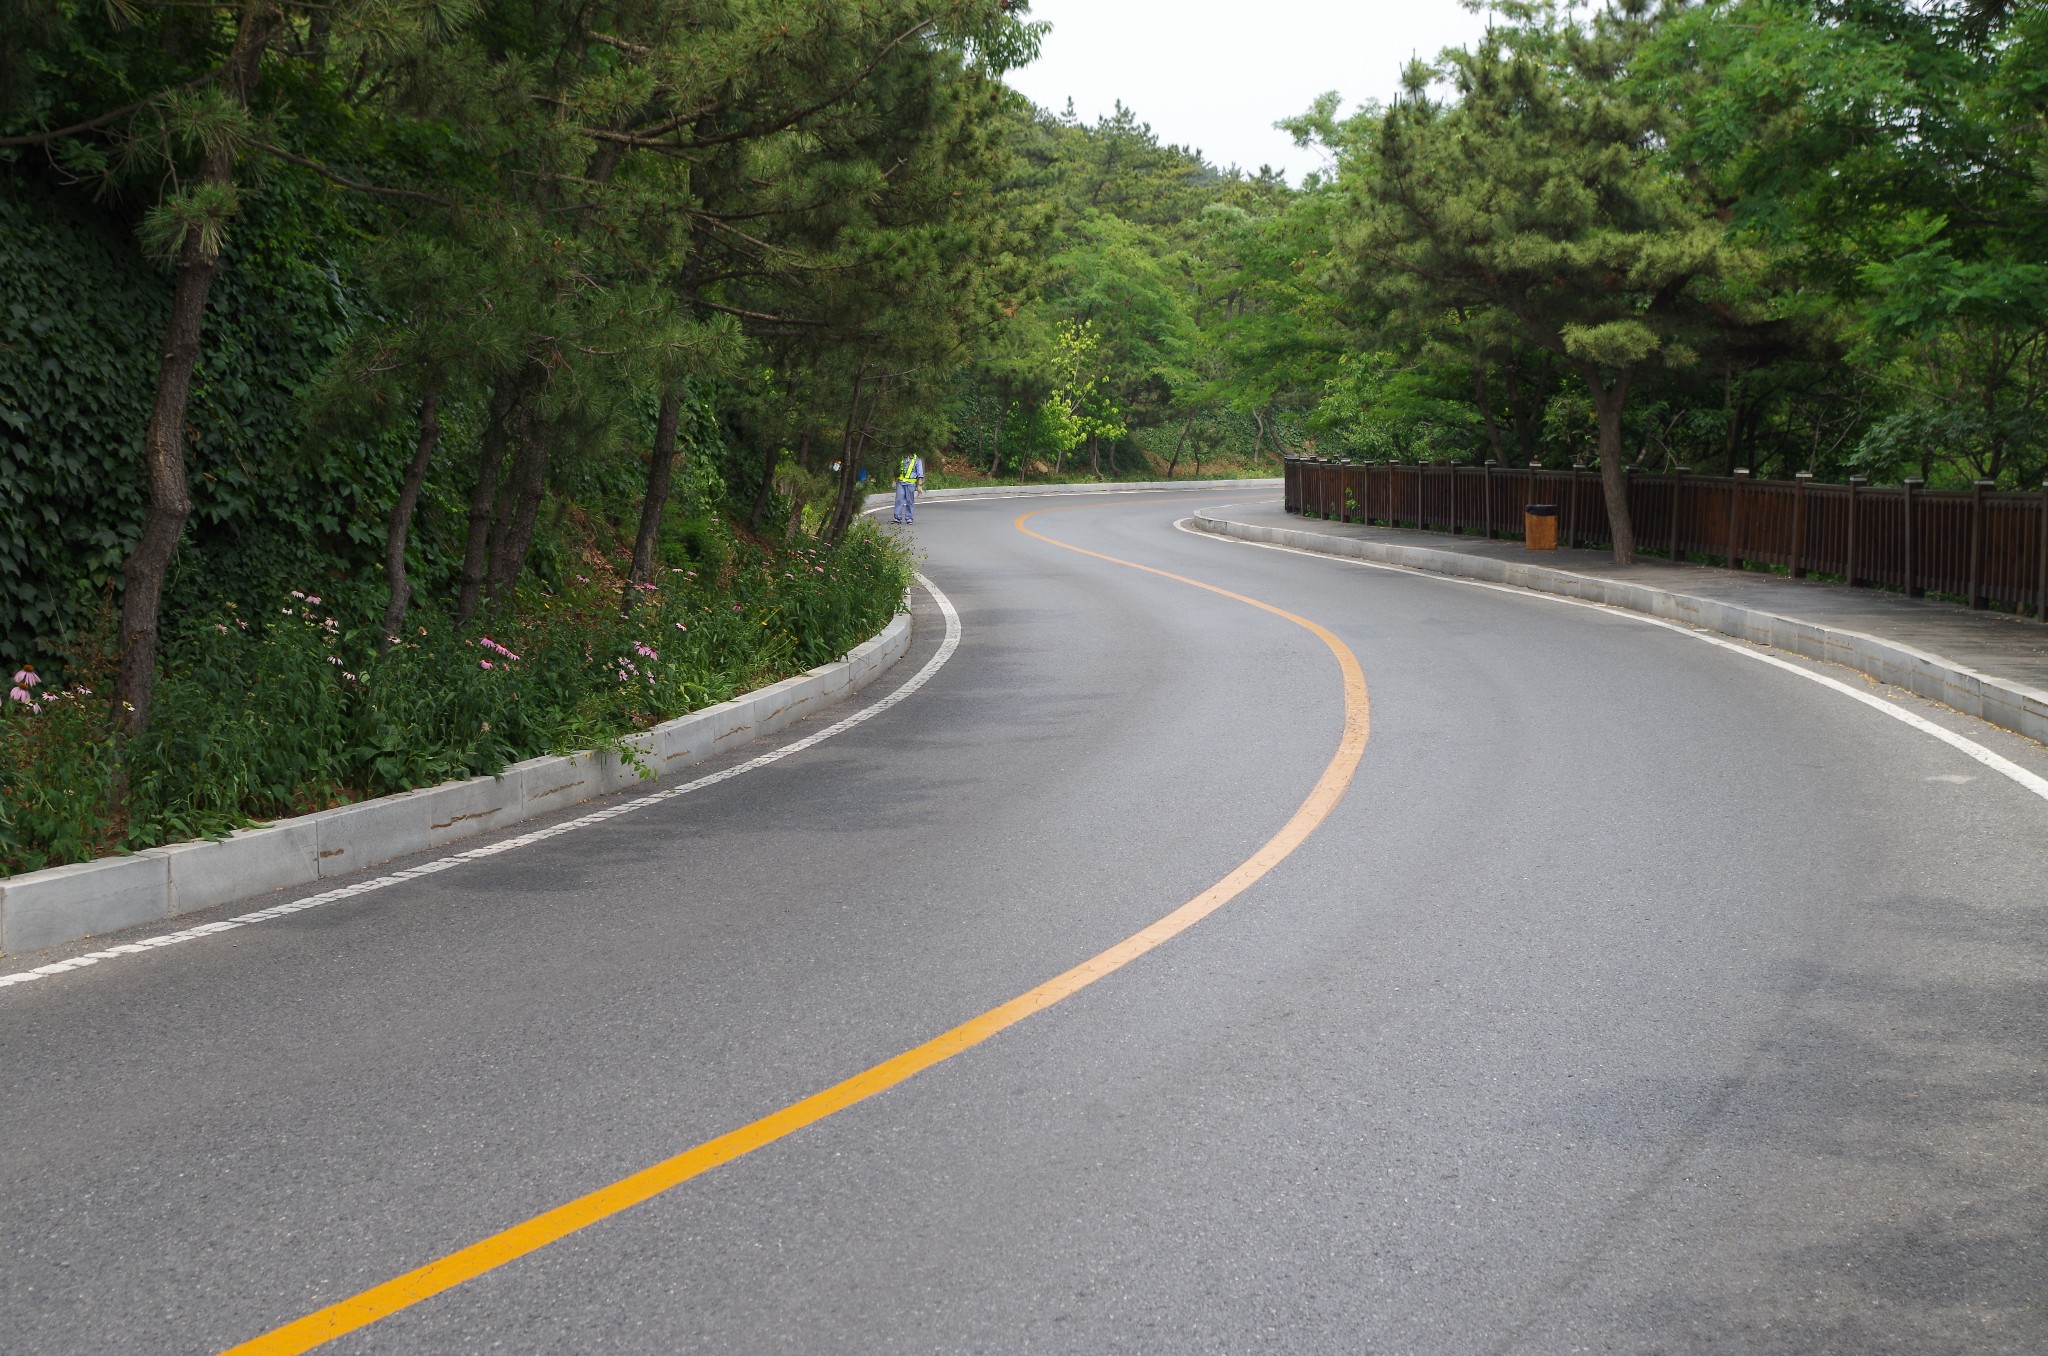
x,y
348,350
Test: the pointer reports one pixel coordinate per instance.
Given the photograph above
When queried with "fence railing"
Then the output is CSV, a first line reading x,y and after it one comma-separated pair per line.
x,y
1981,545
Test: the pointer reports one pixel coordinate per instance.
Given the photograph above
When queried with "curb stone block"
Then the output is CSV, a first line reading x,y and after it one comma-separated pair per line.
x,y
734,724
458,810
2009,705
64,903
355,836
614,773
246,863
682,741
778,706
548,784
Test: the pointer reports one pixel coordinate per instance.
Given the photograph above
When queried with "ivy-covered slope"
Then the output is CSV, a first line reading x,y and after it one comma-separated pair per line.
x,y
81,311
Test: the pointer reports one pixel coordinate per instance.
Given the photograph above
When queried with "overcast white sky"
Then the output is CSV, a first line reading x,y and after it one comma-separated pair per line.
x,y
1215,74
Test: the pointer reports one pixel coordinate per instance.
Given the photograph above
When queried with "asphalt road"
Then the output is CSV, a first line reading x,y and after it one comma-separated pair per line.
x,y
1637,997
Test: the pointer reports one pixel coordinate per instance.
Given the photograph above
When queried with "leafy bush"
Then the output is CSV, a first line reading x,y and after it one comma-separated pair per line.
x,y
258,717
56,759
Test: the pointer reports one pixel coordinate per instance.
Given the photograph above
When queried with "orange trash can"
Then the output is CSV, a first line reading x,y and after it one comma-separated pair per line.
x,y
1539,527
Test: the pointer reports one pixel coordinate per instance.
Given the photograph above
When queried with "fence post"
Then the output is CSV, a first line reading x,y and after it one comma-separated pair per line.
x,y
1976,590
1456,529
1486,485
1629,482
1856,484
1678,475
1571,507
1913,589
2041,566
1800,480
1736,484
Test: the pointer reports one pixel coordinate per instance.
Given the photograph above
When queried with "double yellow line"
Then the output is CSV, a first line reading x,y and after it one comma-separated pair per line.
x,y
402,1292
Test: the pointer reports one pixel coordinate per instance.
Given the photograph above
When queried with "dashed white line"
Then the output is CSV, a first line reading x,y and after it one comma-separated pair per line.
x,y
148,944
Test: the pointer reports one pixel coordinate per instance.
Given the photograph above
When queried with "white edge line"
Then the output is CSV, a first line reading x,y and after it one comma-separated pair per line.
x,y
1970,748
147,944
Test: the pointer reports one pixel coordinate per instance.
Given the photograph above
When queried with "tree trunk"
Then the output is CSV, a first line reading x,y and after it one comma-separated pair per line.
x,y
490,466
163,438
400,523
842,494
1095,455
995,460
1177,443
529,486
1521,413
170,499
1479,397
661,467
1258,434
1608,402
853,446
769,457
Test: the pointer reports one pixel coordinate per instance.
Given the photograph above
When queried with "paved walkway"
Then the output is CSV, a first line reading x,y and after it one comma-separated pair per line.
x,y
1999,645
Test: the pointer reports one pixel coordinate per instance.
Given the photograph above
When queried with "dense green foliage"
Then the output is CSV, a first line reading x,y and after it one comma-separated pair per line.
x,y
290,706
1789,237
504,295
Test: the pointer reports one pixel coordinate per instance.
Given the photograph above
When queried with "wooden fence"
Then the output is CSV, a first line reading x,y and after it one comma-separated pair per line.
x,y
1979,544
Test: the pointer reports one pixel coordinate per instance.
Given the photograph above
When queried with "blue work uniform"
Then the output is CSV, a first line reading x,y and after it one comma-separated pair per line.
x,y
907,476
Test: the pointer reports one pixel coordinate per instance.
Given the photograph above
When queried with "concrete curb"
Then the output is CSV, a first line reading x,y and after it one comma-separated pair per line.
x,y
2013,706
874,501
66,903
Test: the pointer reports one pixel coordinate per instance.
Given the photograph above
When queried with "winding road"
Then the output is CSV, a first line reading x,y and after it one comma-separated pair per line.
x,y
1221,950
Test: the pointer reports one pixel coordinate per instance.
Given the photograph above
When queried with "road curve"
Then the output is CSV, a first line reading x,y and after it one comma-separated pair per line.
x,y
1635,996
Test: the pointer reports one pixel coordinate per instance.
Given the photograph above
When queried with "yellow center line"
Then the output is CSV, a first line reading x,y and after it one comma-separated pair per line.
x,y
445,1273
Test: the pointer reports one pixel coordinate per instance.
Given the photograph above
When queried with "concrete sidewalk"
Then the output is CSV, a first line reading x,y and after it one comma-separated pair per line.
x,y
1990,665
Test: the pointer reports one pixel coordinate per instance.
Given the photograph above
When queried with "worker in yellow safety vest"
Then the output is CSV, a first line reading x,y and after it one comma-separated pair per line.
x,y
909,480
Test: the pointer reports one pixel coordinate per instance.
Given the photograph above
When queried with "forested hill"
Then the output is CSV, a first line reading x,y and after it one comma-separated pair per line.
x,y
437,307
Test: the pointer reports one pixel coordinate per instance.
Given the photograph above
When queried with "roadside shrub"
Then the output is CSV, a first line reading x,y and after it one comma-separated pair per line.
x,y
262,716
56,761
